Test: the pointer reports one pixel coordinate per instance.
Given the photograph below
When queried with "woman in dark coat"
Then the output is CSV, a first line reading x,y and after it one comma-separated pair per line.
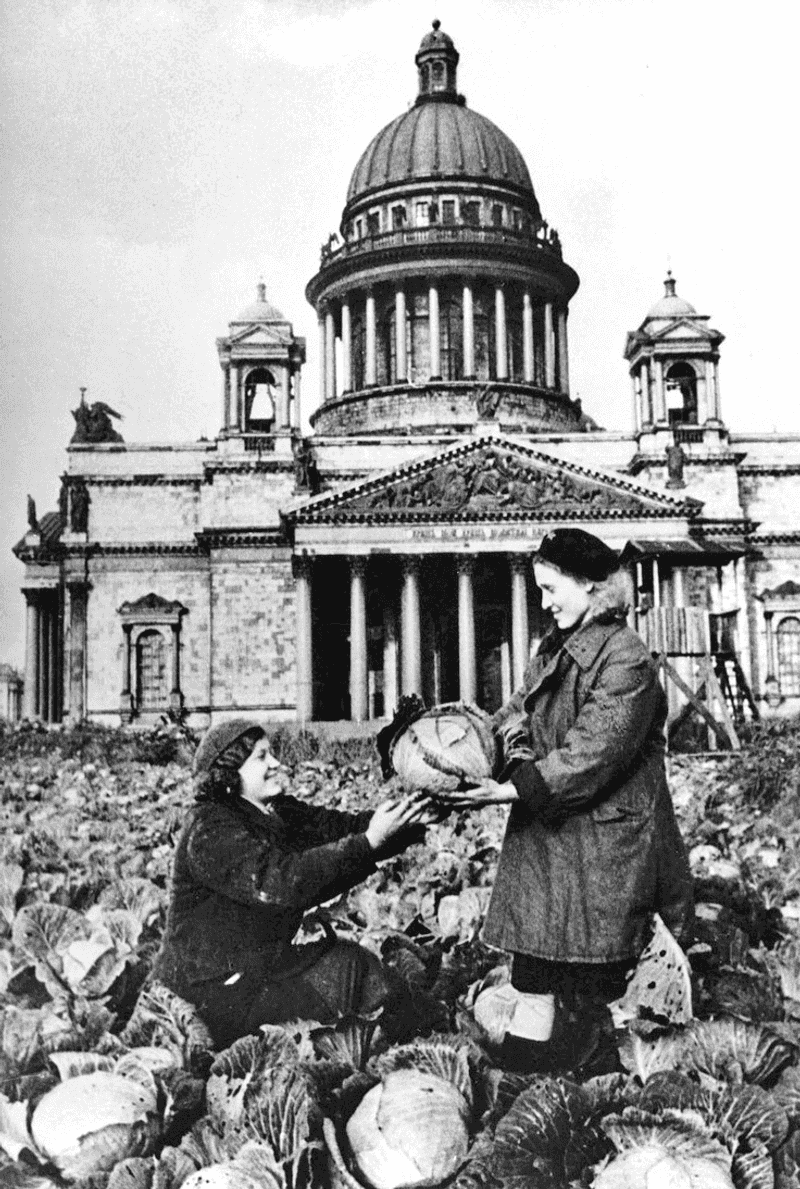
x,y
592,847
250,860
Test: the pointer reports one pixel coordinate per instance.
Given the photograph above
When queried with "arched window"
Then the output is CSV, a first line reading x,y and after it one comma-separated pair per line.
x,y
788,639
259,396
151,671
681,391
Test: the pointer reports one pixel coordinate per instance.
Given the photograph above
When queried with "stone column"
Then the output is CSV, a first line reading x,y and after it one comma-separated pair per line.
x,y
330,355
390,657
563,353
500,333
647,402
323,388
358,640
410,637
78,597
303,634
370,344
400,351
468,317
772,664
226,399
549,347
702,400
433,331
347,347
283,418
175,695
712,391
54,674
126,697
43,677
31,692
296,397
520,633
661,396
637,402
467,673
235,421
656,584
527,338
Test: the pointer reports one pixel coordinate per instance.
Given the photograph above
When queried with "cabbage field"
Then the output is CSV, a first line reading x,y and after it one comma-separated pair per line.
x,y
108,1081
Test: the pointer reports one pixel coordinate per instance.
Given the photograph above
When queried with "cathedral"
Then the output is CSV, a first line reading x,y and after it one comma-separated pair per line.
x,y
319,578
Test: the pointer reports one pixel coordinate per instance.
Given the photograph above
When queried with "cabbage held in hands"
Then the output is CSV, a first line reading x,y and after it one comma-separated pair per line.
x,y
447,748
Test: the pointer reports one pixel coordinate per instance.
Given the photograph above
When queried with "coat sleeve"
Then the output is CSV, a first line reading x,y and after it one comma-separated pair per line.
x,y
224,854
315,825
607,734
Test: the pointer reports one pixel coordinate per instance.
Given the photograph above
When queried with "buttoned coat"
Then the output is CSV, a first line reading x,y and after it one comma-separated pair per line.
x,y
592,847
243,879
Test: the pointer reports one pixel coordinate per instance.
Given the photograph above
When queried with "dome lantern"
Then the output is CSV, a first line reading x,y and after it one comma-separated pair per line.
x,y
437,59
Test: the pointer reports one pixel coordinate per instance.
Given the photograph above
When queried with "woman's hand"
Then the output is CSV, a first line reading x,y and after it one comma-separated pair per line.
x,y
488,792
393,816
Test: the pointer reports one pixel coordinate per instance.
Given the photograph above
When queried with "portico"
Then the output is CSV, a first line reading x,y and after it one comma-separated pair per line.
x,y
420,582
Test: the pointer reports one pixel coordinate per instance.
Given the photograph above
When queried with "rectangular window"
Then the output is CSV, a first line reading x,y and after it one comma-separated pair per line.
x,y
421,214
497,215
471,213
398,217
448,211
517,219
359,228
374,223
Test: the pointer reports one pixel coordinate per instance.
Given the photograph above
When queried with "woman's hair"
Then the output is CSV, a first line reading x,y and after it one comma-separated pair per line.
x,y
222,782
610,598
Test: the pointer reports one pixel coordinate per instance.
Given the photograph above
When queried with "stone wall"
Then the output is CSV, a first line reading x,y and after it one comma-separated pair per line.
x,y
116,580
253,613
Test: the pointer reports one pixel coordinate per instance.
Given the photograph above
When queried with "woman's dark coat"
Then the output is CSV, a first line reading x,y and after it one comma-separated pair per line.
x,y
592,847
243,879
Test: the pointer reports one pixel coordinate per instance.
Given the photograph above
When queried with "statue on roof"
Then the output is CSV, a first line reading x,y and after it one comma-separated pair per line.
x,y
306,475
93,423
33,523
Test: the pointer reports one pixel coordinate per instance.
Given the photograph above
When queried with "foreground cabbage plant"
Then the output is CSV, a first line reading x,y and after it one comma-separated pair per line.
x,y
87,1123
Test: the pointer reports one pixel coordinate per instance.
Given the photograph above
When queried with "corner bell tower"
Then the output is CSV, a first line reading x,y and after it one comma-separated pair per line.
x,y
261,360
673,361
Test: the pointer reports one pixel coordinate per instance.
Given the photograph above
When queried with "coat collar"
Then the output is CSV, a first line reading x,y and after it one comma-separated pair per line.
x,y
584,645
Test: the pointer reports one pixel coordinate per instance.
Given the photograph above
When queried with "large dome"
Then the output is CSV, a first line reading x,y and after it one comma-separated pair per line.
x,y
439,140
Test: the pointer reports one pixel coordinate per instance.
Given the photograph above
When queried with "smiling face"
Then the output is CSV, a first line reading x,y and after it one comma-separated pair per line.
x,y
565,597
262,776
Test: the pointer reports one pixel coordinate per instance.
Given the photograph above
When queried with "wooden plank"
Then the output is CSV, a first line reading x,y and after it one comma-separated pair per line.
x,y
715,690
725,737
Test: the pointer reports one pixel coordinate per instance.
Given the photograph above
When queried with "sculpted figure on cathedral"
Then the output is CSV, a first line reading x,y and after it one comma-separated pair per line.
x,y
33,523
93,424
306,475
487,402
79,510
676,460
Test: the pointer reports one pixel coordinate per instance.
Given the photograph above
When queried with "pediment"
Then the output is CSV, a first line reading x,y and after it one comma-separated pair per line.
x,y
259,336
684,330
491,479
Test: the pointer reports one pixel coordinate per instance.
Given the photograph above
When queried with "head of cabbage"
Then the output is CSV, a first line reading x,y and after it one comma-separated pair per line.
x,y
409,1130
87,1124
447,748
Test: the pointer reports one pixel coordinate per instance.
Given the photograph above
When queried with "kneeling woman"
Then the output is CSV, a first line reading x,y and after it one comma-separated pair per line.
x,y
249,862
592,847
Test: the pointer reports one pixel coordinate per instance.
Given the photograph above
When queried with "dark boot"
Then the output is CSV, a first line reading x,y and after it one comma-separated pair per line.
x,y
520,1055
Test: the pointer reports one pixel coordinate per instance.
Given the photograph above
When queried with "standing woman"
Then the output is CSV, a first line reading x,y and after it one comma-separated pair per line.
x,y
249,862
592,847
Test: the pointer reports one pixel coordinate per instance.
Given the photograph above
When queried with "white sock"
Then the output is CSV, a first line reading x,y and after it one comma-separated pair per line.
x,y
533,1016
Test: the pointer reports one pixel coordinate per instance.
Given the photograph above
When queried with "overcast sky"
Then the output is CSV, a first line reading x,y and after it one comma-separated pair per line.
x,y
160,157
